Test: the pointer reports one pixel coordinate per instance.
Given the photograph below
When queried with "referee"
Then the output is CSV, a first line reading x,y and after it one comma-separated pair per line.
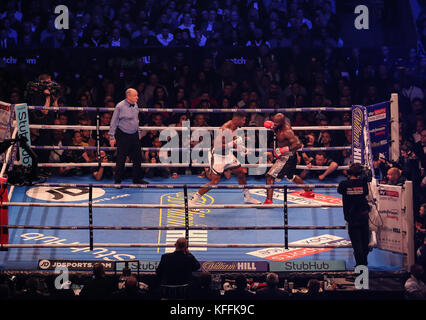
x,y
124,132
354,193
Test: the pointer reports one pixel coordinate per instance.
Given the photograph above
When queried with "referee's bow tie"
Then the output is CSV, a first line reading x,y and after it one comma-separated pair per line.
x,y
131,105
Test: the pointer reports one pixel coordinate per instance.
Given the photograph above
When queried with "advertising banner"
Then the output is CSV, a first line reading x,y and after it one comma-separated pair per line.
x,y
234,266
358,126
390,234
378,119
22,118
307,266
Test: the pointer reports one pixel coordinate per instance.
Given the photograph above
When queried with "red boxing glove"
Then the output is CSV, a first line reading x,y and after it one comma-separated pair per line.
x,y
268,124
278,152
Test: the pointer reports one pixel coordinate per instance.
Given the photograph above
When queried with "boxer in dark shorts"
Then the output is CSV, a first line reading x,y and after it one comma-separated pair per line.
x,y
285,154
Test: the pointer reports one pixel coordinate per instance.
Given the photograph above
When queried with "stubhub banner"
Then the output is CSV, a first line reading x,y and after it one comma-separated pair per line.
x,y
23,121
307,266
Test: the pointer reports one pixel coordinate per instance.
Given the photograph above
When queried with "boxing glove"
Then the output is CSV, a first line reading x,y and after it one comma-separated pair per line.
x,y
268,124
278,152
237,140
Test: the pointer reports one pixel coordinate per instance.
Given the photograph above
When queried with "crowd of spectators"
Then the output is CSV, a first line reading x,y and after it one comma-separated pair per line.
x,y
316,71
328,78
202,286
170,23
421,23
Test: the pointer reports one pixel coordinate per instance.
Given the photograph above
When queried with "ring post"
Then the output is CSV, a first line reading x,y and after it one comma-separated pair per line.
x,y
285,218
4,215
98,145
185,198
409,220
394,128
90,217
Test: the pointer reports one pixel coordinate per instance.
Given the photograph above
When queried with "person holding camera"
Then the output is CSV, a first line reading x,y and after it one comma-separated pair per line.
x,y
354,193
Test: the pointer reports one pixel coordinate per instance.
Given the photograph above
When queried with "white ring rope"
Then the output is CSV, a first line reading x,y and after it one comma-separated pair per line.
x,y
168,165
155,245
147,128
166,206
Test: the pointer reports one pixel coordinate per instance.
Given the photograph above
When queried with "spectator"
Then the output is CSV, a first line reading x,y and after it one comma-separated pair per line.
x,y
165,37
321,160
187,24
240,292
327,142
144,39
419,149
415,289
211,24
35,289
205,291
131,291
6,42
176,268
156,157
394,177
101,172
272,292
99,287
96,39
117,40
380,168
314,288
421,254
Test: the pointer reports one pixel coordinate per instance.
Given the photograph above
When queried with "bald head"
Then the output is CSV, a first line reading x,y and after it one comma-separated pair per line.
x,y
393,175
132,95
279,120
181,244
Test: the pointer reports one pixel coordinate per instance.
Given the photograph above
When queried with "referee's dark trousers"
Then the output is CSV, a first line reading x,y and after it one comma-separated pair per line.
x,y
128,145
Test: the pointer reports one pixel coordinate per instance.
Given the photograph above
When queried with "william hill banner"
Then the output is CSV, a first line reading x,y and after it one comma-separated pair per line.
x,y
358,125
234,266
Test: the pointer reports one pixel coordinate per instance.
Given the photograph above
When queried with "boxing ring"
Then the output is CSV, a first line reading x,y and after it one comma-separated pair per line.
x,y
79,219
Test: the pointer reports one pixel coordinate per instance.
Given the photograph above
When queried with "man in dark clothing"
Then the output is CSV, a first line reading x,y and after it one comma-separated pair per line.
x,y
355,210
271,292
205,290
124,132
99,287
131,291
176,268
240,292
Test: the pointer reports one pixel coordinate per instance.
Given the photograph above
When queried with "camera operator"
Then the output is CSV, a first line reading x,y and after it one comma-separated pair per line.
x,y
354,193
43,92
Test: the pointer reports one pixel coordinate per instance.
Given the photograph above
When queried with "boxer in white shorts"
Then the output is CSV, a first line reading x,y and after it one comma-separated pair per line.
x,y
222,158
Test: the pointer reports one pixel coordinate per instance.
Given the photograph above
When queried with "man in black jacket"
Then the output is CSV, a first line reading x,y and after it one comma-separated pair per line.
x,y
99,287
272,292
356,209
176,268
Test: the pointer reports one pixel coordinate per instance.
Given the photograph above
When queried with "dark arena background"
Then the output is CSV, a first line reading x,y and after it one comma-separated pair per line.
x,y
350,79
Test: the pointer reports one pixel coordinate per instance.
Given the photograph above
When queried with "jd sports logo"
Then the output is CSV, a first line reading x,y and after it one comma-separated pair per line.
x,y
44,264
63,194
